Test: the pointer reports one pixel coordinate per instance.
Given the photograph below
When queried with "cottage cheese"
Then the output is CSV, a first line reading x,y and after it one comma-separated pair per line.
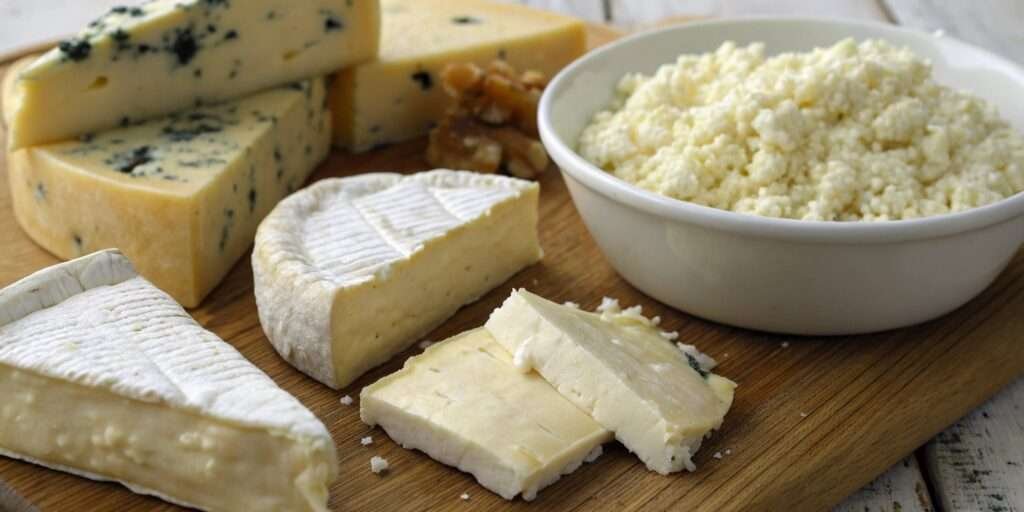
x,y
850,132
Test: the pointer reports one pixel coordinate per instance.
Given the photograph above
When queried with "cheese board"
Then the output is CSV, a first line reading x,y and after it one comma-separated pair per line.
x,y
814,419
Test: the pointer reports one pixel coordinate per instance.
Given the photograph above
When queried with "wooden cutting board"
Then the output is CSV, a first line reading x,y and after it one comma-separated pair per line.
x,y
814,418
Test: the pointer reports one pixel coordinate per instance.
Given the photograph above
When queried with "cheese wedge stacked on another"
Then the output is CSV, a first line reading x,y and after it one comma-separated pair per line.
x,y
351,271
181,196
105,376
399,95
146,61
463,403
659,401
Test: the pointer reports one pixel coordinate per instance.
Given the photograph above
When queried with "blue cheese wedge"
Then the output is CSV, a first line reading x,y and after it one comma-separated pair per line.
x,y
181,195
163,56
105,376
660,400
351,271
399,95
464,404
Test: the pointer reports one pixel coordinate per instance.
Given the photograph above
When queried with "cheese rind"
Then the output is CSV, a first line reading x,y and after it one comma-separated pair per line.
x,y
107,377
399,95
351,271
182,196
657,399
140,63
464,404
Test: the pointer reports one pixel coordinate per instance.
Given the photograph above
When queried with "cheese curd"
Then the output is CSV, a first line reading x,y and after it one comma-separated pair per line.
x,y
851,132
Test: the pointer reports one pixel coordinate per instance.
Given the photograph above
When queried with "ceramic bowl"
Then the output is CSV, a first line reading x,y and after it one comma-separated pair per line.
x,y
781,275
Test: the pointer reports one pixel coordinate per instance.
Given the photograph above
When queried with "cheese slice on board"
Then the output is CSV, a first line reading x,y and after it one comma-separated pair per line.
x,y
105,376
659,401
351,271
399,95
142,62
464,404
181,195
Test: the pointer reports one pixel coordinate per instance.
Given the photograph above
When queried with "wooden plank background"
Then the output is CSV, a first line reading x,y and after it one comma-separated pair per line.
x,y
978,464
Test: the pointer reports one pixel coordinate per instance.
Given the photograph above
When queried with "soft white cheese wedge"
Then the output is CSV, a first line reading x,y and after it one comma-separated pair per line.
x,y
464,404
163,56
658,399
105,376
353,270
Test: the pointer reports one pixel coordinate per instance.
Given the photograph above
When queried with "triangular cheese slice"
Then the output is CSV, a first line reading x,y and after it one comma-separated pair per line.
x,y
660,400
105,376
353,270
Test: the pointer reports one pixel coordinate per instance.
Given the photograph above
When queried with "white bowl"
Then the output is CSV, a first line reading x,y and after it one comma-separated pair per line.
x,y
781,275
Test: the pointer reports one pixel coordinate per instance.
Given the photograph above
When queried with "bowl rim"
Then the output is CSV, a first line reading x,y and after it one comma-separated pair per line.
x,y
579,169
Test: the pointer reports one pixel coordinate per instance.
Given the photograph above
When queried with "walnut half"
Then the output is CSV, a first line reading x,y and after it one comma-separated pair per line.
x,y
493,123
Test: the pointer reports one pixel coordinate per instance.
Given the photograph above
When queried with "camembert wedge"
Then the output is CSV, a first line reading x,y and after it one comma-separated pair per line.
x,y
105,376
399,95
163,56
181,196
351,271
659,400
464,404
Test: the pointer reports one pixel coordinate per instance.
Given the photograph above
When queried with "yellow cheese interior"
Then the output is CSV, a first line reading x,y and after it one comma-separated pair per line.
x,y
418,294
399,95
180,196
464,404
155,449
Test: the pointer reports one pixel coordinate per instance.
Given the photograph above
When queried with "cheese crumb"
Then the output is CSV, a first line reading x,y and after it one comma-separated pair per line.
x,y
728,451
346,400
366,441
785,344
852,132
378,465
718,455
425,344
465,496
803,415
609,305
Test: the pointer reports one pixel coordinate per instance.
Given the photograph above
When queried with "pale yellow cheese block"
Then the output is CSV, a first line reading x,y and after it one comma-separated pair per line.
x,y
181,196
399,95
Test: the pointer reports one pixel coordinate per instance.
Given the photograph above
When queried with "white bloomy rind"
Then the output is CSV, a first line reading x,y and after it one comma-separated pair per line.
x,y
350,271
618,367
105,376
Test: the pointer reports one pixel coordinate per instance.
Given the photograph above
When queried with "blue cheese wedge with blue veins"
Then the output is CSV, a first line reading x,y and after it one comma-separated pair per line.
x,y
105,376
351,271
182,195
464,404
661,400
142,62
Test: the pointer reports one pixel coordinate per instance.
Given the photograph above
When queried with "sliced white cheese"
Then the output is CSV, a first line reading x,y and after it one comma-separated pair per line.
x,y
657,399
464,404
105,376
163,56
350,271
181,195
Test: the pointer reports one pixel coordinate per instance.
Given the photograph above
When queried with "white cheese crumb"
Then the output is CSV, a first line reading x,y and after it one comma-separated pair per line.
x,y
425,344
366,441
346,400
784,344
465,496
803,415
571,304
656,321
718,455
728,451
378,465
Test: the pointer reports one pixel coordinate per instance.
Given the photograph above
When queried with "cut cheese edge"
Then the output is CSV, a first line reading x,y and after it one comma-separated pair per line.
x,y
107,377
8,87
140,63
464,404
351,271
658,400
181,196
399,95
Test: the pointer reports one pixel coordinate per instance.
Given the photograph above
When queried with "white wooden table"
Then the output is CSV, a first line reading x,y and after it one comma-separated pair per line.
x,y
975,465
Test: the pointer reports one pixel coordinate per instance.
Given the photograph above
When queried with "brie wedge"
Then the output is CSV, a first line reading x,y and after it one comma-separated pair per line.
x,y
658,399
464,404
105,376
351,271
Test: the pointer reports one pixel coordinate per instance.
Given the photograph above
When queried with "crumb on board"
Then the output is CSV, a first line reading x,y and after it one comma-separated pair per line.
x,y
366,441
346,400
425,344
465,496
378,464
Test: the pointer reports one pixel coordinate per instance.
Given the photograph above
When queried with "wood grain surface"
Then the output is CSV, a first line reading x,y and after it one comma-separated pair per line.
x,y
814,418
